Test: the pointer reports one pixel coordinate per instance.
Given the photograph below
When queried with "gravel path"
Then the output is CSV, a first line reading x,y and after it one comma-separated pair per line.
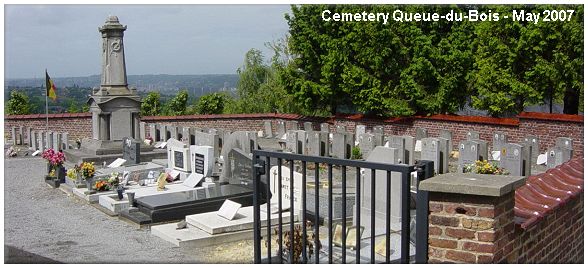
x,y
48,223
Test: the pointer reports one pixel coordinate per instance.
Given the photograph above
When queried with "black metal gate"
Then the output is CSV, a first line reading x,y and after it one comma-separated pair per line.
x,y
261,166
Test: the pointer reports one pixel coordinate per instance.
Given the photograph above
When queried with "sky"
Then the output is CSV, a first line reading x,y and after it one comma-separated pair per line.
x,y
160,39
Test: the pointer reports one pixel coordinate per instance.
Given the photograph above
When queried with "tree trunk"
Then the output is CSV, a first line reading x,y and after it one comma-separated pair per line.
x,y
571,101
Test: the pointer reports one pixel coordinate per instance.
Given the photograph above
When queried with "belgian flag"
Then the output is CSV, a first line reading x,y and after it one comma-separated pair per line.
x,y
51,89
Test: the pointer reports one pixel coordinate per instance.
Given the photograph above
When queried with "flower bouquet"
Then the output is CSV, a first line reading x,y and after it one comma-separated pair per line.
x,y
87,171
55,163
101,186
485,167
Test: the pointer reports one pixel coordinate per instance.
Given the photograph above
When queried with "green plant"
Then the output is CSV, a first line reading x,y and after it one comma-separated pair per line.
x,y
484,167
356,153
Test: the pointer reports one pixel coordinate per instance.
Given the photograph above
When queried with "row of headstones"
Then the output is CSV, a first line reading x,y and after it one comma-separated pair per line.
x,y
41,140
187,135
281,129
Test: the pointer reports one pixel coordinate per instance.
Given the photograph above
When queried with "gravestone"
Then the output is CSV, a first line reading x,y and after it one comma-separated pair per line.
x,y
29,136
65,140
228,210
34,142
175,133
398,143
239,167
41,140
499,140
342,145
207,139
447,134
325,127
483,149
367,142
528,159
511,159
49,139
20,136
301,143
533,141
472,135
280,128
431,151
386,155
292,141
557,156
318,143
188,136
359,129
469,153
267,129
202,160
308,126
154,132
13,135
421,133
161,132
445,150
142,131
178,155
246,141
566,145
340,129
378,130
56,141
286,197
131,150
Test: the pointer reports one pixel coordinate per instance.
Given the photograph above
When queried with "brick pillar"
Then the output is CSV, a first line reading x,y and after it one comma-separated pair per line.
x,y
471,217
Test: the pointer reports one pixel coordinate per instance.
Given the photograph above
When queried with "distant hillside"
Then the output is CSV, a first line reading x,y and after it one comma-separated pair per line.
x,y
196,84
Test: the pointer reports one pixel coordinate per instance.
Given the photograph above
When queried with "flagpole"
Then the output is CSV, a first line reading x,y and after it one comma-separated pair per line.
x,y
46,104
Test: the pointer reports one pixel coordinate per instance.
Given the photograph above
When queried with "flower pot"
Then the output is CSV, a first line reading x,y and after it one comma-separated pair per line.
x,y
89,183
119,192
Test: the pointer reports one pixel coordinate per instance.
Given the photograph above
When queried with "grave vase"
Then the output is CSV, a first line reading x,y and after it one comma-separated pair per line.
x,y
119,191
89,182
60,173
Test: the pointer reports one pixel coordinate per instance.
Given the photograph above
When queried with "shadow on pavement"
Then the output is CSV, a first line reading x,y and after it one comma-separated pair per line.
x,y
15,255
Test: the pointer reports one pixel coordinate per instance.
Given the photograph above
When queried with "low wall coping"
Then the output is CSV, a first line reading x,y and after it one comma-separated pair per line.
x,y
473,184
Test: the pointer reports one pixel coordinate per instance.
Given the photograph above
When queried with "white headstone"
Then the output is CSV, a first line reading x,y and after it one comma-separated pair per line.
x,y
286,188
229,209
193,180
117,163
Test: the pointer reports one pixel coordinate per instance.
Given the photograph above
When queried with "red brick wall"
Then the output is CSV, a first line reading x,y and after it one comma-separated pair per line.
x,y
558,238
546,126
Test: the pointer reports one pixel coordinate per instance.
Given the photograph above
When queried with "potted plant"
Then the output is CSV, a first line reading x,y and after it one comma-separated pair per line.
x,y
55,162
114,181
87,170
297,242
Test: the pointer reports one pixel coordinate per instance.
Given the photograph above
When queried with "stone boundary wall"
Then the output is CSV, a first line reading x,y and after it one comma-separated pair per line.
x,y
546,126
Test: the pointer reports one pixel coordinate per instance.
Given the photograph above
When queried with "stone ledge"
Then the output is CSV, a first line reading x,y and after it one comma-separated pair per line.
x,y
473,184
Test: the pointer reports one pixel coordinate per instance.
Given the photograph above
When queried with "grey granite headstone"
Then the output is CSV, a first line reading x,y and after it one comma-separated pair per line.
x,y
511,159
445,150
49,139
483,149
239,167
366,143
447,134
162,131
359,129
187,136
378,130
499,140
528,159
29,136
281,128
153,132
318,143
421,133
386,155
13,135
292,141
142,130
398,143
308,126
340,129
131,151
20,135
65,140
243,140
207,139
472,135
325,127
533,141
431,151
469,153
174,132
566,145
301,143
556,156
409,142
56,141
342,145
33,140
267,129
41,140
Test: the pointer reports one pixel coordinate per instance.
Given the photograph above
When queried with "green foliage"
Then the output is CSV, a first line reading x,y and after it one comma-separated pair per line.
x,y
177,105
17,104
356,153
151,105
73,107
213,103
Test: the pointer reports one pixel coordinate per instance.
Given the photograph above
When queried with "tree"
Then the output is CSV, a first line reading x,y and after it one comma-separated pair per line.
x,y
213,103
177,105
401,68
151,104
17,104
73,107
